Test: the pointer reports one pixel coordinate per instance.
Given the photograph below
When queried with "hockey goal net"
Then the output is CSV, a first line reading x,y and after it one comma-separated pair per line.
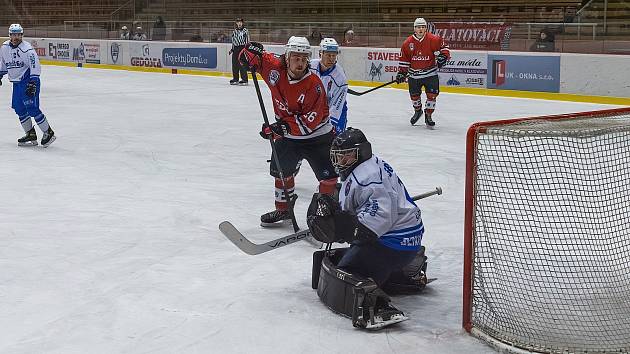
x,y
547,233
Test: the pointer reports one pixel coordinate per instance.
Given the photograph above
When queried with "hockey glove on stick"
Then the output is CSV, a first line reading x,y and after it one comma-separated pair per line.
x,y
401,76
251,55
31,87
441,60
280,128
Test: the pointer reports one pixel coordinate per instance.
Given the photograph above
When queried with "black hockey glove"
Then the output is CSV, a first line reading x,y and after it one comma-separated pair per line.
x,y
441,60
328,223
251,55
401,76
31,88
280,128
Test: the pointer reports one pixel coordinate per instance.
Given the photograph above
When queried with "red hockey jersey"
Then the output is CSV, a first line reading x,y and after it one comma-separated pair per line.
x,y
301,103
418,55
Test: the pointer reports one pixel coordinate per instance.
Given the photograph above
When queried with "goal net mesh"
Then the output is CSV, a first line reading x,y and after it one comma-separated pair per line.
x,y
551,245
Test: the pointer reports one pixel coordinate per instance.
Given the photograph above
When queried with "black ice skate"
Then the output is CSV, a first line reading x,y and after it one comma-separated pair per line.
x,y
274,218
243,82
427,119
416,117
30,139
234,82
48,138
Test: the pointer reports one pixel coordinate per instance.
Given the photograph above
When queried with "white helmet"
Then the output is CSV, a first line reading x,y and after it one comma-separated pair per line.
x,y
297,45
16,28
420,22
329,45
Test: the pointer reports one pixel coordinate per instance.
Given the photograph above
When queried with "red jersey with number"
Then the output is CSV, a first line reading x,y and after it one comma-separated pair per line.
x,y
301,103
418,55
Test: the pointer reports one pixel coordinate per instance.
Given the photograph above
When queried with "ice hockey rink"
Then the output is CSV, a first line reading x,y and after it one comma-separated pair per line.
x,y
109,239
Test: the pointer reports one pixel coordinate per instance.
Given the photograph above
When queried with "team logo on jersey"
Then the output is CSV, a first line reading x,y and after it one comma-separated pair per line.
x,y
329,86
115,52
318,89
347,190
274,76
411,45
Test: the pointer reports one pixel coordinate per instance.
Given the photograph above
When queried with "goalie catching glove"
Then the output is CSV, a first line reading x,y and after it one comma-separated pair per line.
x,y
328,223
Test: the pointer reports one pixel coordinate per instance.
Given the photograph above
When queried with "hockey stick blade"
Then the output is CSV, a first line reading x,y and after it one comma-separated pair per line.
x,y
245,245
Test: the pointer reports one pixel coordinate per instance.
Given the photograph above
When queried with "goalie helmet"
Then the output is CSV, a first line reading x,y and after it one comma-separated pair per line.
x,y
16,28
329,45
348,150
297,45
420,22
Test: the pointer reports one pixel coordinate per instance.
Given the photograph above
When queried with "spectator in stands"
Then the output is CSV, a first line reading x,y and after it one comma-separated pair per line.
x,y
139,35
223,38
159,30
315,38
348,38
544,43
196,38
124,33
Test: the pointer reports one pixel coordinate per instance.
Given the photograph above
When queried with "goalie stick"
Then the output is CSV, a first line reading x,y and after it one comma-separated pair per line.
x,y
247,246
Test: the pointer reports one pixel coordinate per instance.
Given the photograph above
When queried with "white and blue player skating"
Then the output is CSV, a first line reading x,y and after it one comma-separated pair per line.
x,y
335,82
19,60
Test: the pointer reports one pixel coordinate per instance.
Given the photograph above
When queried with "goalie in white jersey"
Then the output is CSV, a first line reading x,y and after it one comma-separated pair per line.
x,y
335,82
19,60
380,220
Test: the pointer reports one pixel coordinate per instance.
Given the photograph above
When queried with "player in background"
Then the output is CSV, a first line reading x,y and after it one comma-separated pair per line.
x,y
19,60
375,214
302,129
335,82
421,55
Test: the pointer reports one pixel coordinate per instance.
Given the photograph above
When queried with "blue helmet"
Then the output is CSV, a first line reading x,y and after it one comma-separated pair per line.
x,y
16,28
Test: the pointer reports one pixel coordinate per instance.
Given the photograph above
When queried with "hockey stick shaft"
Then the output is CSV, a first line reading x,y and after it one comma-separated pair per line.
x,y
274,155
245,245
437,191
355,93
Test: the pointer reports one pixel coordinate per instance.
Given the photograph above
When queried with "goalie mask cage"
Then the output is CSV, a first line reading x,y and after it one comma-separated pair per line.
x,y
547,233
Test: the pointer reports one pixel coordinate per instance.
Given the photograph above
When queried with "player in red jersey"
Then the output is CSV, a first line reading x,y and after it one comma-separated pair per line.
x,y
421,55
302,129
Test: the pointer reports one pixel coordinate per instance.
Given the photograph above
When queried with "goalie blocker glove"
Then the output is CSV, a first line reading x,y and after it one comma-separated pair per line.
x,y
328,223
251,55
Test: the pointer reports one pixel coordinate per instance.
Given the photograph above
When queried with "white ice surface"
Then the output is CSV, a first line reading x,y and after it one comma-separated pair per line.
x,y
109,240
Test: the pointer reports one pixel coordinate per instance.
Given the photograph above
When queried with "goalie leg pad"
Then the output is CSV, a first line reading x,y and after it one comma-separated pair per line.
x,y
411,279
345,293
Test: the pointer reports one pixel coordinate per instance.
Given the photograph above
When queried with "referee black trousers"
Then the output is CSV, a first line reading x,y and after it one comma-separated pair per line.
x,y
236,65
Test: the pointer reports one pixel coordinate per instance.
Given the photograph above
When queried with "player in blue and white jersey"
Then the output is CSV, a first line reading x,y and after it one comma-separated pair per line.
x,y
379,219
19,60
335,82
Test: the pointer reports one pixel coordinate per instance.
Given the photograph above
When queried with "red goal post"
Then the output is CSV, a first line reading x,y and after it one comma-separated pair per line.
x,y
547,233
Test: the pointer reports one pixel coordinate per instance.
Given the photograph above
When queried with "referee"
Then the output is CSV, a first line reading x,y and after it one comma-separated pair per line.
x,y
240,37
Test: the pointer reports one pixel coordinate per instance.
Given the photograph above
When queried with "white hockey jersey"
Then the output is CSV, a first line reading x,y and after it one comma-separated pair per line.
x,y
380,200
19,62
336,86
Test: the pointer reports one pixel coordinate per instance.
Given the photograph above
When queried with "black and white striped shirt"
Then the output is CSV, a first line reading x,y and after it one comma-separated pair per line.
x,y
240,37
